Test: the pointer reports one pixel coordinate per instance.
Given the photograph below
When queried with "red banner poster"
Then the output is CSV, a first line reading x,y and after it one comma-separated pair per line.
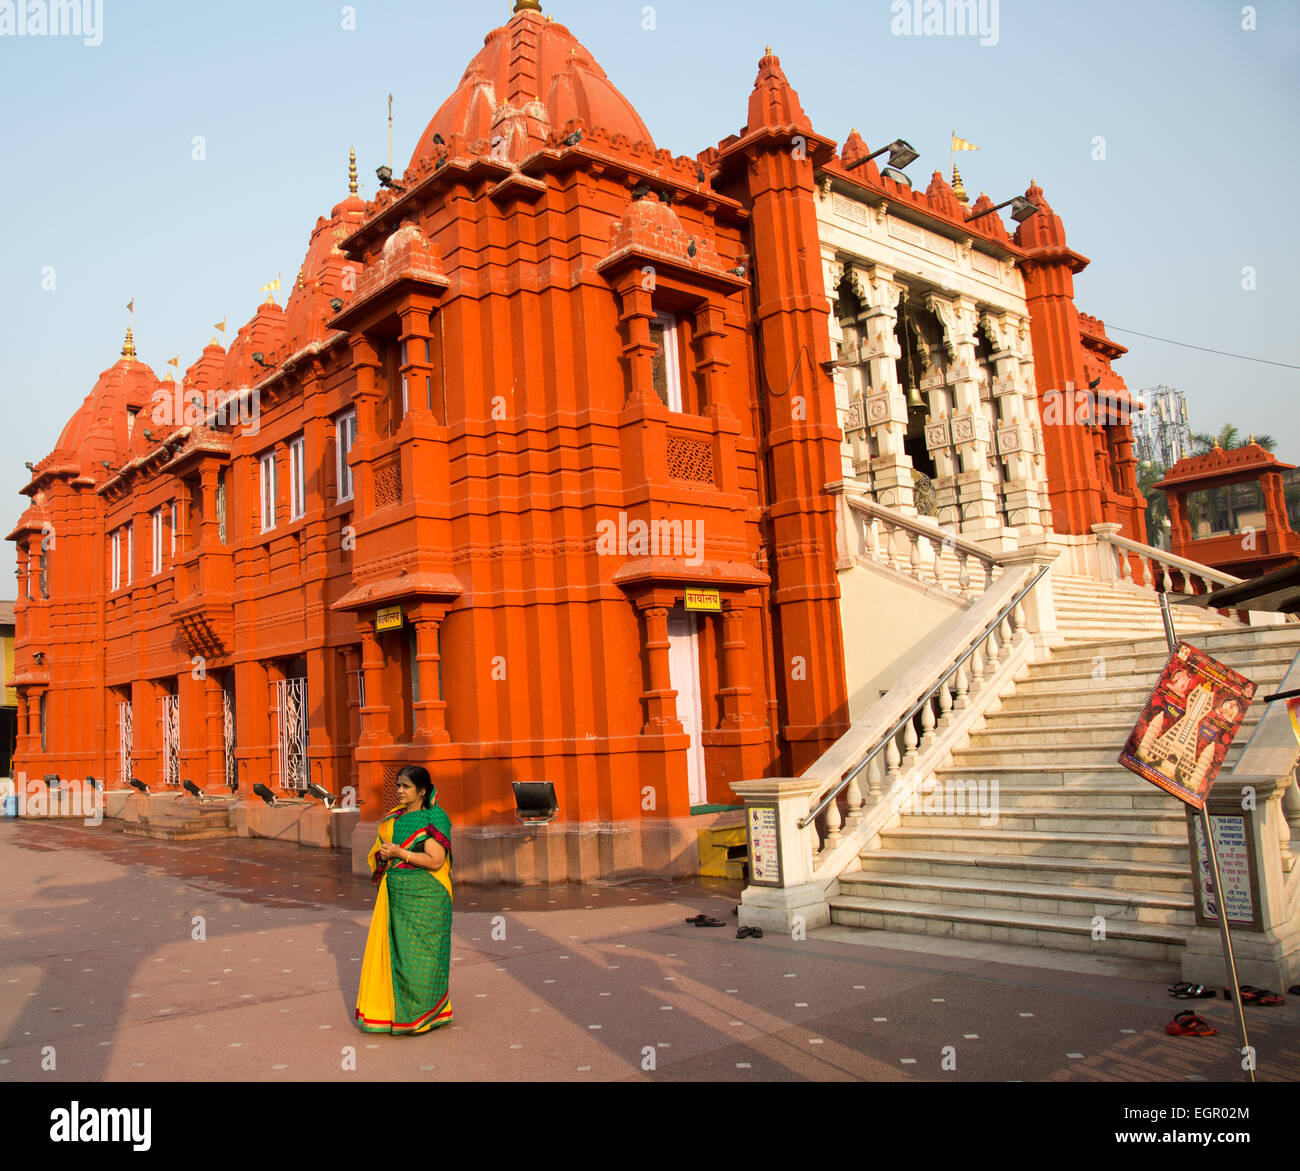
x,y
1188,725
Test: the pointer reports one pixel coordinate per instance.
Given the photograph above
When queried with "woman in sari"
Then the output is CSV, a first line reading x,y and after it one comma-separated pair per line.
x,y
404,973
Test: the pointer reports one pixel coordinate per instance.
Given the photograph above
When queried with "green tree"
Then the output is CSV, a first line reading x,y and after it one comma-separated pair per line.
x,y
1228,438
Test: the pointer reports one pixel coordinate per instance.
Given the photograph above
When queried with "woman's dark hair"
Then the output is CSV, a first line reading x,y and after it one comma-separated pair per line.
x,y
418,775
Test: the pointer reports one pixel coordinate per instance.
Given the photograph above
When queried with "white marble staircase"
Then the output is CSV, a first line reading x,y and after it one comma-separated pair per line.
x,y
1078,840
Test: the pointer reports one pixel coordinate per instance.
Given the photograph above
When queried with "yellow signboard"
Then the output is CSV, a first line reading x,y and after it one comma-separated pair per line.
x,y
388,618
697,599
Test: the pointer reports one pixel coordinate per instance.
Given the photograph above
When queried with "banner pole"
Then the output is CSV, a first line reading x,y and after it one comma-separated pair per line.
x,y
1225,935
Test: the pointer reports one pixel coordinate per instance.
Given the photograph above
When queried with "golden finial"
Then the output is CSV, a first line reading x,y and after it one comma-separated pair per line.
x,y
352,171
767,52
128,346
958,187
1251,439
526,6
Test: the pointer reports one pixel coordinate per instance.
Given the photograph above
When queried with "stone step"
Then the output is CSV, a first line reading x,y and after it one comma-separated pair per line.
x,y
1211,641
1060,844
999,731
1170,878
1249,661
1140,796
1147,823
1013,894
1154,941
974,761
178,833
1077,717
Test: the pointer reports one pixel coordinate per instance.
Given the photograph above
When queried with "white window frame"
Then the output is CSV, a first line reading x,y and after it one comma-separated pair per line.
x,y
672,360
297,478
117,559
157,540
173,528
401,373
345,435
266,472
130,550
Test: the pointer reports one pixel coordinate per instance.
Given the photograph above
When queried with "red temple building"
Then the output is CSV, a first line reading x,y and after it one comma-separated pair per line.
x,y
528,479
1227,509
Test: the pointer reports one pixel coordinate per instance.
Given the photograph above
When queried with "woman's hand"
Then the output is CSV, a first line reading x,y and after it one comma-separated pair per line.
x,y
388,851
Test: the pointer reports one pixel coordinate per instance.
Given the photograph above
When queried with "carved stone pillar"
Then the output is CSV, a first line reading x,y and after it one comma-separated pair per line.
x,y
352,671
1017,438
635,315
884,400
711,334
215,740
733,692
375,730
430,709
659,699
977,491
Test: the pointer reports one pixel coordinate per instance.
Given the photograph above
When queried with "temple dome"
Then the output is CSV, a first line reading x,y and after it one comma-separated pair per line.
x,y
532,77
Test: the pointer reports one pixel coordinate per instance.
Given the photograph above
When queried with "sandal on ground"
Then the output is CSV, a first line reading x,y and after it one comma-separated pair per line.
x,y
749,933
706,921
1263,997
1188,991
1188,1024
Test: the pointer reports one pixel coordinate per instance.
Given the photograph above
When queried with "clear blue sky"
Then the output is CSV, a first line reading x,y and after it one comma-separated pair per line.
x,y
1200,178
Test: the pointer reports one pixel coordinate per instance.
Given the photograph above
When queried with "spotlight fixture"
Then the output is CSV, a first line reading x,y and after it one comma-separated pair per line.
x,y
385,176
260,359
51,779
94,784
1021,209
39,656
901,154
322,793
30,466
262,791
898,177
192,789
136,783
147,433
336,303
535,802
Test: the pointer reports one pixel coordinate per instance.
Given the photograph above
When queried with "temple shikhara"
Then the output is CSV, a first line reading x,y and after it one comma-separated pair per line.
x,y
661,478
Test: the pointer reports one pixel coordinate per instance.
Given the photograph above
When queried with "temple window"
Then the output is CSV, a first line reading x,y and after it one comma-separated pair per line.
x,y
297,479
666,368
266,466
157,540
345,433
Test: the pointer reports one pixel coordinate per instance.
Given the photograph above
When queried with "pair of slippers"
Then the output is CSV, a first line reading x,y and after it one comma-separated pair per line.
x,y
749,933
1261,996
1187,991
1188,1024
706,921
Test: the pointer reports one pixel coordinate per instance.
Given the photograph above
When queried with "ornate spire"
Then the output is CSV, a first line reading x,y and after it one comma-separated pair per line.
x,y
526,6
352,171
958,188
128,346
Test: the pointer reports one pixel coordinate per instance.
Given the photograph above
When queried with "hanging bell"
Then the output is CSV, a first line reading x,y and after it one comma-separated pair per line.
x,y
914,398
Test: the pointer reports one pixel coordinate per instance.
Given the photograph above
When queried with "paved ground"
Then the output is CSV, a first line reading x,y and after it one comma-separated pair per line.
x,y
100,972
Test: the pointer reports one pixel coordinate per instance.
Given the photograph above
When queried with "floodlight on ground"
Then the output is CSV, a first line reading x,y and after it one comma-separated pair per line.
x,y
262,791
319,791
535,802
192,789
94,784
1021,209
901,154
51,779
137,783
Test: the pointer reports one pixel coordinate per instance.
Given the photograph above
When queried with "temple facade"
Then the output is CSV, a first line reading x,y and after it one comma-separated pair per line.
x,y
534,476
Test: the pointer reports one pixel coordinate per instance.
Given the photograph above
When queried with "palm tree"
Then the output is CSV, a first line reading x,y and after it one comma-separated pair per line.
x,y
1230,437
1157,507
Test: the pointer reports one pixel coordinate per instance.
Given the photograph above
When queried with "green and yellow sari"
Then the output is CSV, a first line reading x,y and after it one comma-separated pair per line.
x,y
408,952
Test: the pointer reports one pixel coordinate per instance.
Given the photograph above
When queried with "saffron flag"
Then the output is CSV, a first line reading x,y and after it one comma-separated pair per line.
x,y
1293,708
176,361
221,325
130,305
271,286
962,144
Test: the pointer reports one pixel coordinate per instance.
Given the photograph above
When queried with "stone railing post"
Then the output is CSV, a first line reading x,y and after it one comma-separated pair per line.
x,y
788,898
1040,603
